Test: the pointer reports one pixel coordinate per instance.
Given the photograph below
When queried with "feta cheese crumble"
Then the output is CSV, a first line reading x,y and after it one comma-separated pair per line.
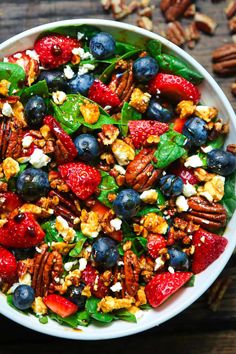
x,y
38,159
84,69
82,264
189,190
27,141
7,110
182,203
116,287
69,73
82,54
116,223
193,161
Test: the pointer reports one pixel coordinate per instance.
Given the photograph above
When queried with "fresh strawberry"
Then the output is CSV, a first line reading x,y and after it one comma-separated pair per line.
x,y
8,266
175,87
179,124
91,277
55,49
187,174
208,247
21,232
60,305
82,179
9,201
103,95
64,138
140,130
155,244
30,65
163,285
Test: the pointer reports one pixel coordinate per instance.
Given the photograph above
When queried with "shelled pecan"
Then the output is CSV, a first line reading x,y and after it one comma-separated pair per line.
x,y
122,82
173,9
175,33
231,148
224,59
140,173
230,10
10,140
192,35
205,23
131,272
232,25
211,216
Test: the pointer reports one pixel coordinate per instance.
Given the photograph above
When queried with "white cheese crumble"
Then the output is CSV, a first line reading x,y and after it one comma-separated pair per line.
x,y
206,149
32,54
59,97
116,287
84,69
193,161
80,35
182,203
27,141
171,270
7,110
88,249
38,250
139,314
38,159
116,223
69,73
106,108
149,197
17,55
68,266
120,263
82,54
67,232
120,169
158,263
189,190
207,195
82,264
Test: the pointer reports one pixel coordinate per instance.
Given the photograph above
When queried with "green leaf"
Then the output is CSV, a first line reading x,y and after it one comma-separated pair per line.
x,y
72,30
125,315
169,149
145,307
91,308
139,245
127,230
43,319
154,47
14,74
51,233
148,209
191,282
229,199
40,88
80,318
128,113
161,200
123,48
80,240
108,185
217,143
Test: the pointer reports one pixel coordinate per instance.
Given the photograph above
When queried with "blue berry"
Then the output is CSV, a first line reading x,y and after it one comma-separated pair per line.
x,y
102,45
87,147
104,252
23,253
55,80
171,185
126,204
75,295
81,84
157,112
145,68
221,162
195,130
35,110
23,297
32,184
178,259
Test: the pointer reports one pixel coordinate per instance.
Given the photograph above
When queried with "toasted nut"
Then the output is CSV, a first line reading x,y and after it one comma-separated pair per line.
x,y
10,167
123,152
154,223
185,109
90,225
206,113
205,23
231,148
39,307
140,100
230,10
175,33
145,22
4,87
108,303
90,112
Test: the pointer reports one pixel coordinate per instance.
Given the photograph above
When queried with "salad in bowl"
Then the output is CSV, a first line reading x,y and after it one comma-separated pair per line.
x,y
116,185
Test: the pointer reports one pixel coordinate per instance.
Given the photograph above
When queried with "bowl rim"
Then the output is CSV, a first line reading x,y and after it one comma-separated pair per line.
x,y
64,333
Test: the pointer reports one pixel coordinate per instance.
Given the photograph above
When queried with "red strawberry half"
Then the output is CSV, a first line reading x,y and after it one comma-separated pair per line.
x,y
82,179
155,244
60,305
186,174
140,130
9,201
163,285
8,266
55,49
103,95
208,247
179,124
21,232
64,138
91,277
175,87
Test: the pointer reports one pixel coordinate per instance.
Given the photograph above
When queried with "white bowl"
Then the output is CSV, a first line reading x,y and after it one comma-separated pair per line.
x,y
211,95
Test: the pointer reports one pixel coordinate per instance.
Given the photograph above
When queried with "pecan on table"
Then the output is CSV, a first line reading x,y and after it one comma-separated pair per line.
x,y
131,272
224,59
173,9
176,33
211,216
140,173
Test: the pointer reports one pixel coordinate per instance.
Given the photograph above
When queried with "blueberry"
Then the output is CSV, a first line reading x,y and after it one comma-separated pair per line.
x,y
75,295
32,184
23,297
221,162
35,110
171,185
126,203
81,84
102,45
87,147
157,112
55,80
23,253
145,68
104,252
195,130
178,259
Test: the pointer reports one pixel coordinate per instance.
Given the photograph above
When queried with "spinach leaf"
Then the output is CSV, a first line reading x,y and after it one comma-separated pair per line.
x,y
80,240
91,308
190,283
125,315
128,113
127,230
154,47
72,31
217,143
40,88
145,307
43,319
139,245
229,199
80,318
148,209
51,233
123,48
13,73
108,185
169,149
161,200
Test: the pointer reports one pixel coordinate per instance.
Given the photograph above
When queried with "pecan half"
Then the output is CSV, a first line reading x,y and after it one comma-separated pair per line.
x,y
232,25
122,82
205,23
140,173
224,59
211,216
175,33
230,10
10,140
173,9
131,272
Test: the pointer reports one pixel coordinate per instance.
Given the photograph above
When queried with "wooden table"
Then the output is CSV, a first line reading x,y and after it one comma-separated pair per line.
x,y
198,329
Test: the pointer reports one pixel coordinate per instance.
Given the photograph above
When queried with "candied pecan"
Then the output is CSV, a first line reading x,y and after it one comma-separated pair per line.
x,y
233,88
108,134
211,216
131,272
175,33
122,83
173,9
190,11
10,139
140,173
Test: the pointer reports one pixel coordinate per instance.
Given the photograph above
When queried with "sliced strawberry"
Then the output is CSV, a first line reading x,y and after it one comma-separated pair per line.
x,y
163,285
9,201
187,174
175,87
60,305
103,95
208,247
64,138
91,277
55,49
179,124
155,244
8,266
140,130
82,179
30,65
21,232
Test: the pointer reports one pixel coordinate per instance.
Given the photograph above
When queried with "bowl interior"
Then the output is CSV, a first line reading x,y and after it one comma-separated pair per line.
x,y
211,95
